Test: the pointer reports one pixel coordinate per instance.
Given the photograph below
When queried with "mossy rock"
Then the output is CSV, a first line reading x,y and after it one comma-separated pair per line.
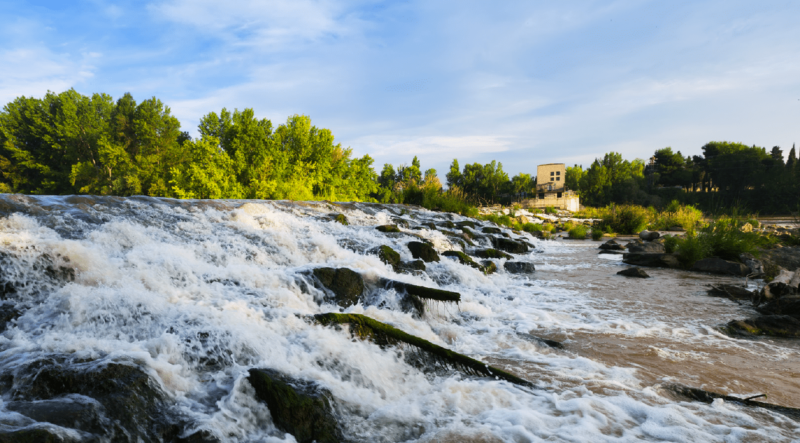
x,y
769,325
491,230
387,255
508,245
429,225
388,228
491,253
466,224
345,284
298,407
367,328
411,266
462,258
37,435
340,218
488,267
422,291
518,267
447,224
423,251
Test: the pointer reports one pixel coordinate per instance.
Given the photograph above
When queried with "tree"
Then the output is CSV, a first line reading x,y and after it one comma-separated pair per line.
x,y
573,176
454,178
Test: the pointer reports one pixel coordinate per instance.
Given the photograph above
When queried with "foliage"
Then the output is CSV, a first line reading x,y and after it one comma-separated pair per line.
x,y
550,210
532,227
691,249
686,216
597,234
671,243
625,219
578,232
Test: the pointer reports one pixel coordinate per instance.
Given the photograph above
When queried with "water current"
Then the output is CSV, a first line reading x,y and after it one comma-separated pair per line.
x,y
150,273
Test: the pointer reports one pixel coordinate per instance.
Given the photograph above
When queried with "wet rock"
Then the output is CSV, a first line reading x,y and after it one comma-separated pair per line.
x,y
715,265
36,435
7,315
447,224
612,245
491,230
508,245
488,267
429,225
340,218
388,228
755,266
423,251
651,260
387,255
634,272
422,291
462,258
735,292
298,407
519,267
491,253
649,235
782,306
466,224
646,248
552,343
775,290
774,259
345,284
400,222
412,266
771,325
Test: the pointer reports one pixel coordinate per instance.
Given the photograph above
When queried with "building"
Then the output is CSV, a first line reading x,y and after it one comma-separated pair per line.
x,y
551,189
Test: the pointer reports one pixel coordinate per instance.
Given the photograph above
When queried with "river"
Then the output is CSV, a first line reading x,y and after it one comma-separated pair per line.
x,y
153,275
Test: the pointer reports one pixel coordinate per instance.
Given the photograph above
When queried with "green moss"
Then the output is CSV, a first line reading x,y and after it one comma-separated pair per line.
x,y
466,223
463,258
388,256
423,292
388,228
491,253
367,328
340,218
488,267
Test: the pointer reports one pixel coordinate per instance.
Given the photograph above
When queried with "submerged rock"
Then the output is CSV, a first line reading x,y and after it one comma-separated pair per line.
x,y
387,255
488,267
788,305
735,292
423,251
634,272
551,343
388,228
646,248
340,218
771,325
491,253
519,267
422,291
7,315
345,284
466,224
651,260
297,407
412,266
462,258
715,265
508,245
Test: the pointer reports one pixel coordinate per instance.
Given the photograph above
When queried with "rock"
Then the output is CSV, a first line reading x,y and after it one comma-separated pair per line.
x,y
775,290
789,305
755,267
646,248
508,245
400,222
345,284
387,255
716,265
551,343
447,224
422,291
524,220
488,267
634,272
612,245
774,259
491,253
298,407
409,267
771,325
36,435
649,235
519,267
388,228
423,251
651,260
340,218
735,292
429,225
491,230
7,315
466,224
462,258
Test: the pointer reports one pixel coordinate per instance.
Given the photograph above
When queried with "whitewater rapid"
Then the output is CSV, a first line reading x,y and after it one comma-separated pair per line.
x,y
199,292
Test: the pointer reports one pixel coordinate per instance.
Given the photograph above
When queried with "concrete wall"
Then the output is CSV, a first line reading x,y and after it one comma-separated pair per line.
x,y
553,173
570,202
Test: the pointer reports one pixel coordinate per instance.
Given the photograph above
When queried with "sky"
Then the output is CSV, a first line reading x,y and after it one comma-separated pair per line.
x,y
521,82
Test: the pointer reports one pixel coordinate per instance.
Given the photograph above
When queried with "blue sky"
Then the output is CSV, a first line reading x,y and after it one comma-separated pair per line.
x,y
522,82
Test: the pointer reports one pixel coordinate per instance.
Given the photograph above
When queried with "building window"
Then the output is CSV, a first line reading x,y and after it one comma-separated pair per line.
x,y
558,172
551,179
541,195
558,179
558,195
552,173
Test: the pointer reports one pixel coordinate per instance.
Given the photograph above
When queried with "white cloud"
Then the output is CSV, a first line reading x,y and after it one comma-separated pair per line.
x,y
35,70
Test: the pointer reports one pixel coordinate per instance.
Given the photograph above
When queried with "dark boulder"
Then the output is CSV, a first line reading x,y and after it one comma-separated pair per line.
x,y
715,265
491,230
387,255
422,291
612,245
388,228
651,260
462,258
789,305
508,245
551,343
735,292
649,235
345,284
340,218
634,272
7,315
646,248
775,290
298,407
423,251
771,325
519,267
429,225
491,253
412,266
466,224
35,435
488,267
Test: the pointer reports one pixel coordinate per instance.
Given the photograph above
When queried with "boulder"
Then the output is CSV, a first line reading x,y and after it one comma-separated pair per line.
x,y
771,325
7,315
508,245
340,218
612,245
462,258
649,235
524,220
646,248
422,291
634,272
755,267
411,267
345,284
775,290
519,267
735,292
35,435
388,228
447,224
651,260
298,407
488,267
491,230
387,255
423,251
466,224
782,306
491,253
429,225
716,265
545,341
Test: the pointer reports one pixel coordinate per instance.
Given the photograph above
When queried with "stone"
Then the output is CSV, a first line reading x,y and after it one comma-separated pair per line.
x,y
771,325
422,291
647,248
491,253
462,258
297,407
551,343
524,220
789,305
423,251
747,227
429,225
508,245
36,435
716,265
519,267
612,245
340,218
735,292
649,235
491,230
488,267
651,260
388,228
345,284
775,290
634,272
755,266
7,315
410,267
387,255
447,224
466,224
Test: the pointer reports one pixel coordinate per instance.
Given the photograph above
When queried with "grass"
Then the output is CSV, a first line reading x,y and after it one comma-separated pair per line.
x,y
597,234
578,232
550,210
434,199
687,217
722,238
671,243
625,219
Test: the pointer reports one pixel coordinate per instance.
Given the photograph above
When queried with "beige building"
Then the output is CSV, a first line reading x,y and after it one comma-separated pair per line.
x,y
551,189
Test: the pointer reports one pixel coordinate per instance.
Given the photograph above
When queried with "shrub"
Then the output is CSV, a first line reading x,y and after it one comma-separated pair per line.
x,y
625,219
691,248
548,227
725,239
436,200
671,243
597,234
532,227
568,226
550,210
578,232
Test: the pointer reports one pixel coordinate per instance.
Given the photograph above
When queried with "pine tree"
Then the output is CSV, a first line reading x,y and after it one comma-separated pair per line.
x,y
790,163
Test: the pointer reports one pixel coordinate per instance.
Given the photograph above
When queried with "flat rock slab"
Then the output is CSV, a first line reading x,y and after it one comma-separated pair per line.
x,y
491,253
634,272
612,245
715,265
647,248
508,245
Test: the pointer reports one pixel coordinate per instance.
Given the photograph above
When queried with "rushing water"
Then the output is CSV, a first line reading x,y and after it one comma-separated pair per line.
x,y
150,273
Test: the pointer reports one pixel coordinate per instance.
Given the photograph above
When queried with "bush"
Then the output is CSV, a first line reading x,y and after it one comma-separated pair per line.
x,y
725,239
568,226
691,248
436,200
579,231
550,210
548,227
625,219
532,227
671,243
597,234
688,217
